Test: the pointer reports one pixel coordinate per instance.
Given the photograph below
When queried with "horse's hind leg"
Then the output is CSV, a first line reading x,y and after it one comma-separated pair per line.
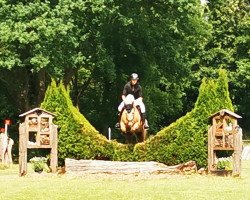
x,y
129,137
142,135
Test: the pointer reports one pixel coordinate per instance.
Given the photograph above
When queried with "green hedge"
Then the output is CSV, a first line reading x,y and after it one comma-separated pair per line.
x,y
186,139
183,140
77,138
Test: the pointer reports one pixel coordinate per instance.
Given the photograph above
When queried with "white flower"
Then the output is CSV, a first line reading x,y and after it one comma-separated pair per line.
x,y
204,2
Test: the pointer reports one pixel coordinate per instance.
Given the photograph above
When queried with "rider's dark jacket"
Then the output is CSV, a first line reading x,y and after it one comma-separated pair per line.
x,y
135,90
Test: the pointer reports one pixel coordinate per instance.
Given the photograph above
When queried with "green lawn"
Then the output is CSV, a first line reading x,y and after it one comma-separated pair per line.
x,y
52,186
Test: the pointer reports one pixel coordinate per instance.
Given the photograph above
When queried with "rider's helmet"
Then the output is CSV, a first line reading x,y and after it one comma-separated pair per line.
x,y
134,76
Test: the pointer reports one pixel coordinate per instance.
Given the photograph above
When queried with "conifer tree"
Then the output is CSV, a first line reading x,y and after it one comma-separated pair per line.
x,y
78,139
186,139
183,140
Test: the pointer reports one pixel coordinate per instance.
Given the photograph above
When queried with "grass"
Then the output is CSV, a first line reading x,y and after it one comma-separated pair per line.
x,y
123,187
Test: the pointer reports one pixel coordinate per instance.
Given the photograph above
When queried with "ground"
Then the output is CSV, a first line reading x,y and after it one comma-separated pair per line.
x,y
123,187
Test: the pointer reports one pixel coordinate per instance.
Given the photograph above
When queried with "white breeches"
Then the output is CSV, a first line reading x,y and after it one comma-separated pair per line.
x,y
137,102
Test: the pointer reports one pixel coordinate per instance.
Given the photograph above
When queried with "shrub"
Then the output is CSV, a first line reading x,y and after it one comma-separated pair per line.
x,y
77,138
186,139
225,163
181,141
38,163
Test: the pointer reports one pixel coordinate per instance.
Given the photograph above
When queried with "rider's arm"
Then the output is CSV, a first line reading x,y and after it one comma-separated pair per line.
x,y
124,92
123,97
139,99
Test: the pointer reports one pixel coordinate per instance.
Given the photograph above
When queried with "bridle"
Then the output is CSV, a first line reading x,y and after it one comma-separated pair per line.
x,y
130,113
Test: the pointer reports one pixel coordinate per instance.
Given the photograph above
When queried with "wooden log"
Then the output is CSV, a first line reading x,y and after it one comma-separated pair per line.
x,y
117,167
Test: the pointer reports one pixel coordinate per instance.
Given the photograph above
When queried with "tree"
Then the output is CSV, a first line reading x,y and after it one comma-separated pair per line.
x,y
39,41
154,39
93,46
183,140
228,48
186,139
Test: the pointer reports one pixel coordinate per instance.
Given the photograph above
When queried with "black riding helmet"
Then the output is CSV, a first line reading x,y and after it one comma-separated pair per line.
x,y
134,76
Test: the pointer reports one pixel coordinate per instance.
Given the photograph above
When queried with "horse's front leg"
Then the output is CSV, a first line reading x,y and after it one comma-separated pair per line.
x,y
123,127
129,137
142,135
135,127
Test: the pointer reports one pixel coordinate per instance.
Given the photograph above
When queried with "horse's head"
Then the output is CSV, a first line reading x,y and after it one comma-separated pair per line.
x,y
130,114
128,107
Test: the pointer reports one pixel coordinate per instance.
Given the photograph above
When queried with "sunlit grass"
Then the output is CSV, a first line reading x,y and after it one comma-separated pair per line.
x,y
123,187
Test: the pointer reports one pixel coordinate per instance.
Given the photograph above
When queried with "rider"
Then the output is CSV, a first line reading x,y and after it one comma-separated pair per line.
x,y
133,87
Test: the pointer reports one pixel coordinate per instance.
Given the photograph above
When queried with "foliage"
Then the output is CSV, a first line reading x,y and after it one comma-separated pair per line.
x,y
93,46
225,163
228,48
182,141
186,139
38,163
150,38
77,137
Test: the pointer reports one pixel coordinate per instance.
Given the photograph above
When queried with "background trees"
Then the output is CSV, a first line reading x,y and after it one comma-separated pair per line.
x,y
93,46
228,48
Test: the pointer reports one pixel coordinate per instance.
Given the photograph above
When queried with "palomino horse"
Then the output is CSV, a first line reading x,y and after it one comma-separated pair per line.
x,y
130,122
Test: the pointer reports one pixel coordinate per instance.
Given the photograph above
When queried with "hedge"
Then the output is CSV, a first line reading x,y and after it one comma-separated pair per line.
x,y
181,141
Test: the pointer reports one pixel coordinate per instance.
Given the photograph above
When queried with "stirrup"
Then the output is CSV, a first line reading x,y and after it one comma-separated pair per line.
x,y
146,126
117,125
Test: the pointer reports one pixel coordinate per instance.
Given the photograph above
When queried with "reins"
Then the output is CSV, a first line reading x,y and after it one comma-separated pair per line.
x,y
132,112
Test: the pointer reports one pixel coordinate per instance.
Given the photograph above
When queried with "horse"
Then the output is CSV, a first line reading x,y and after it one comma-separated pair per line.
x,y
130,122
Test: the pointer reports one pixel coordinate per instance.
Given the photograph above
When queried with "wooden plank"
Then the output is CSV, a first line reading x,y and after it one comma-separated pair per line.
x,y
223,133
210,149
53,153
39,146
22,150
224,148
237,153
219,125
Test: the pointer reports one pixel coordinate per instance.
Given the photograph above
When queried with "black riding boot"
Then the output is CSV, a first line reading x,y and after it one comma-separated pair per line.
x,y
145,121
117,125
